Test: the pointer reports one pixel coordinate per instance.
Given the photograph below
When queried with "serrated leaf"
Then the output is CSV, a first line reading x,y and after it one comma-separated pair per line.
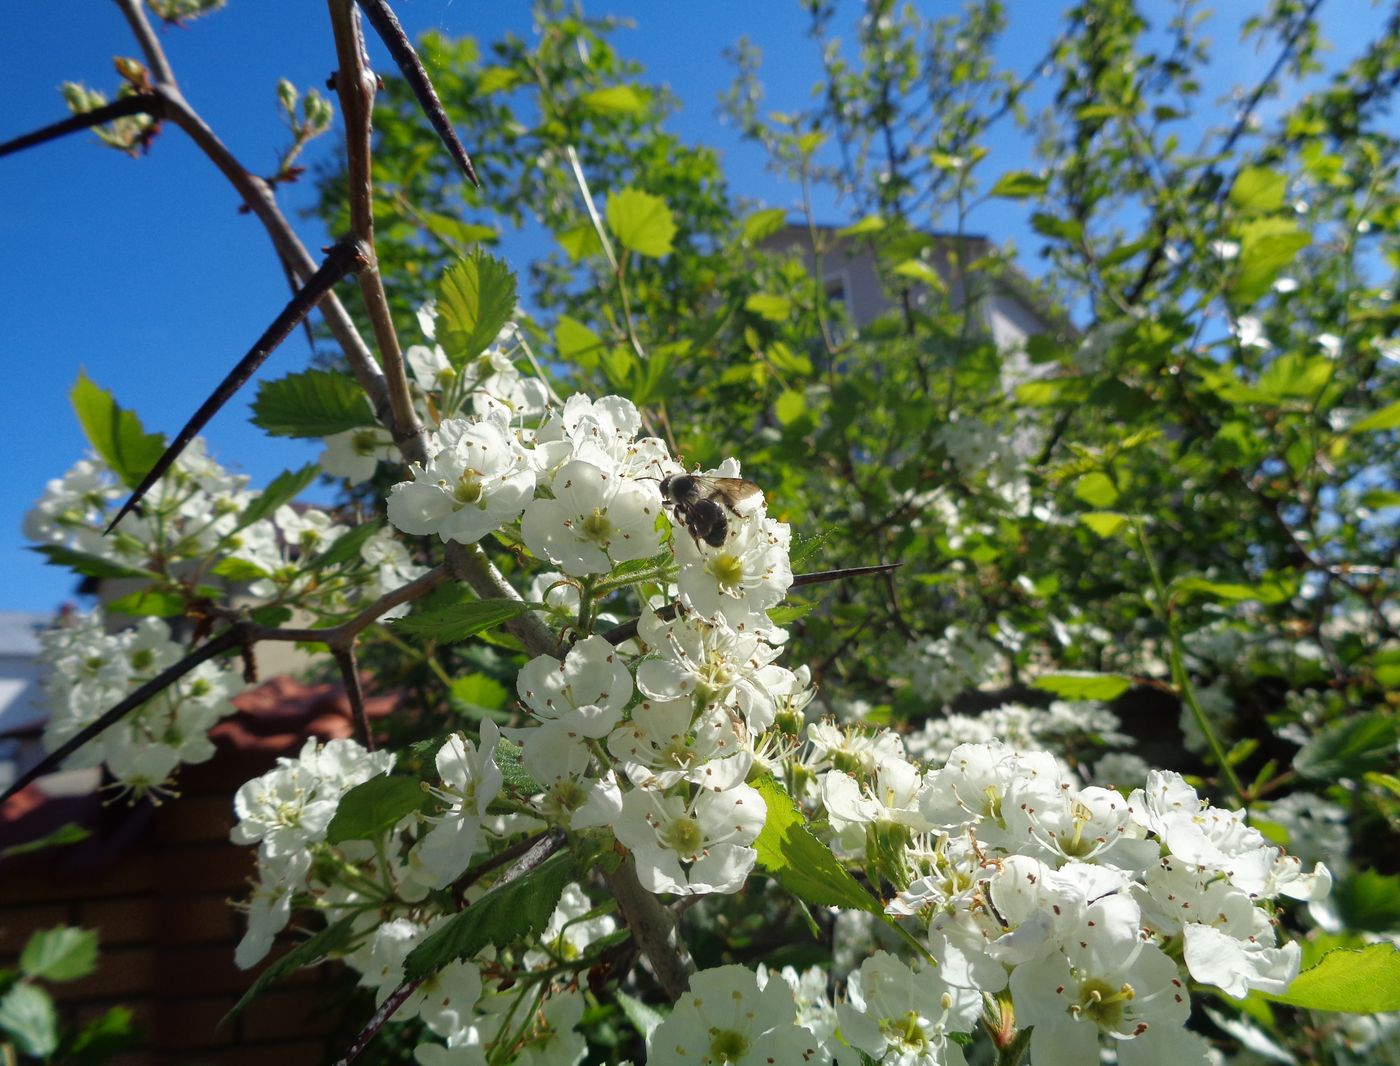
x,y
149,603
806,547
311,403
767,305
115,433
27,1014
641,222
1349,981
763,224
579,241
459,621
868,224
797,860
89,565
505,915
1388,417
477,695
63,953
334,937
509,760
475,298
614,100
1349,748
1019,185
346,547
1105,523
103,1037
373,807
576,342
281,489
789,613
1097,490
1083,685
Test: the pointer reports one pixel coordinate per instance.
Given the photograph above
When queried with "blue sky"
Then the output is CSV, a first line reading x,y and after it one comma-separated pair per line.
x,y
143,273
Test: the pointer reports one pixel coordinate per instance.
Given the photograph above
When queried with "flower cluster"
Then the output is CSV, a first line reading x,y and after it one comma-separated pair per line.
x,y
92,670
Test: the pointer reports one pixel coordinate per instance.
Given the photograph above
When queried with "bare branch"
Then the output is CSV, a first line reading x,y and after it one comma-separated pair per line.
x,y
138,104
355,83
345,258
135,13
653,927
381,17
354,692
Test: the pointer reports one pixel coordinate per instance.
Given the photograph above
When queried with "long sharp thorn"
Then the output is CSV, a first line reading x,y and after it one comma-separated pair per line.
x,y
382,18
139,104
228,639
821,576
345,258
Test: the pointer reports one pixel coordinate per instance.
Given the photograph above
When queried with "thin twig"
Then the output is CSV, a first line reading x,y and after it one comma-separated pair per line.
x,y
152,104
345,258
135,13
355,693
381,17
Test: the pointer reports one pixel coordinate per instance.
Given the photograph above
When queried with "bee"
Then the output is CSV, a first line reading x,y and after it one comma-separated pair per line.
x,y
705,503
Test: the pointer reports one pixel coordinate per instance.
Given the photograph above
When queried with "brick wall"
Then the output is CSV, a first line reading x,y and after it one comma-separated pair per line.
x,y
156,881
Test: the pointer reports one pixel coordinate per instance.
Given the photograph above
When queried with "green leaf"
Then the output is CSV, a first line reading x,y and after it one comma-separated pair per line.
x,y
459,621
1267,246
27,1014
1269,592
789,613
346,547
231,569
1105,523
1097,490
63,953
1349,981
802,864
763,224
869,224
152,603
103,1037
641,222
312,403
89,565
496,80
334,937
456,231
1019,185
60,837
1084,685
790,406
644,1018
577,343
476,297
579,241
1387,417
1349,748
281,489
1295,375
767,305
919,270
477,695
806,547
372,808
1258,190
505,915
1369,900
614,100
114,433
509,760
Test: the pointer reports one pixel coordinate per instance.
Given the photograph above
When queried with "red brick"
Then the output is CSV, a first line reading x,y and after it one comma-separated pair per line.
x,y
285,1053
200,869
119,921
199,920
17,923
120,974
196,819
292,1012
186,1024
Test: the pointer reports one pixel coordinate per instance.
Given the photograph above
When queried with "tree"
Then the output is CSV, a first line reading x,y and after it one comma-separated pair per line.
x,y
1186,503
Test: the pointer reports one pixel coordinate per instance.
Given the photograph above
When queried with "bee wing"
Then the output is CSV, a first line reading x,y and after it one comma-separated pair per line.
x,y
732,491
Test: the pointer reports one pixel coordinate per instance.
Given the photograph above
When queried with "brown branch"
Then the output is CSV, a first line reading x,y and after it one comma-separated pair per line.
x,y
654,929
138,104
345,258
135,13
381,17
354,692
355,83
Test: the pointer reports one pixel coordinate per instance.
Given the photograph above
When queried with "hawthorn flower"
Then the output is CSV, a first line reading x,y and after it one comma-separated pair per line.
x,y
711,833
727,1019
898,1015
355,453
470,781
740,580
478,479
595,520
666,742
585,693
